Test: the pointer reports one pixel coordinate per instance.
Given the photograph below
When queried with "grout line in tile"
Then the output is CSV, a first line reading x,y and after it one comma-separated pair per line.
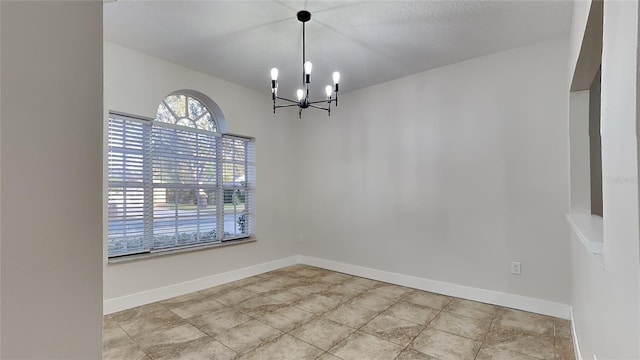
x,y
423,330
379,313
135,342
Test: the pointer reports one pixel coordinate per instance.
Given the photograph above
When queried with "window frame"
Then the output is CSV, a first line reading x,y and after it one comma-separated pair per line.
x,y
149,185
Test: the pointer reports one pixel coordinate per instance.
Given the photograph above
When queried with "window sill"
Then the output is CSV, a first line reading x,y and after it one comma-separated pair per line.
x,y
160,253
589,230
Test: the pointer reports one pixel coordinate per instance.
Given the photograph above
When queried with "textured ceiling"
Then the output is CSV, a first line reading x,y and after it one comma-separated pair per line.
x,y
369,42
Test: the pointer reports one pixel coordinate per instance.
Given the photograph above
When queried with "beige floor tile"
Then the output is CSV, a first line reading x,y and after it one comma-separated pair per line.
x,y
347,290
137,311
328,356
373,302
464,326
518,340
537,346
388,291
322,333
259,305
263,285
200,349
341,293
361,345
418,314
412,354
125,350
283,277
112,334
287,294
286,318
351,315
308,271
117,345
248,318
525,321
445,346
142,325
316,304
334,278
563,349
361,283
285,347
219,321
278,273
248,336
162,343
425,298
218,290
494,353
196,307
562,328
183,299
472,309
234,296
108,320
310,287
396,330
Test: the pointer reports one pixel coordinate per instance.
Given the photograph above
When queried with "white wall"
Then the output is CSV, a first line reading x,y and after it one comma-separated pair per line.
x,y
136,83
0,181
448,175
605,297
578,25
51,155
580,172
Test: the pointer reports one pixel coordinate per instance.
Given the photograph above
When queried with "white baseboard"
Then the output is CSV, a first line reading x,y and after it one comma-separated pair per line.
x,y
487,296
163,293
574,336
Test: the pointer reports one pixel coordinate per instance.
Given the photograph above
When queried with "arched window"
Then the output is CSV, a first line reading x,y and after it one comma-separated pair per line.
x,y
191,109
177,181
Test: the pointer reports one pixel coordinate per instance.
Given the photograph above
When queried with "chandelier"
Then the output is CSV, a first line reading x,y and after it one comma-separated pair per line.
x,y
302,94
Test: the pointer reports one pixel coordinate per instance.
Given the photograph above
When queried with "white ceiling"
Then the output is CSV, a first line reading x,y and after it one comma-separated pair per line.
x,y
369,42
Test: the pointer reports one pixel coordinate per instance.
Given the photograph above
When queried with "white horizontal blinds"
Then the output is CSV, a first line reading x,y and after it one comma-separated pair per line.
x,y
237,194
184,185
128,176
175,182
251,186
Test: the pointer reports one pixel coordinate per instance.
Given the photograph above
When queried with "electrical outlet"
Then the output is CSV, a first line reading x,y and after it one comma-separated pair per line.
x,y
515,267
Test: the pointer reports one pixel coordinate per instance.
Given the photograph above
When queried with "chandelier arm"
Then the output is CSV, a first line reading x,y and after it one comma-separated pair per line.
x,y
282,106
285,99
321,102
318,107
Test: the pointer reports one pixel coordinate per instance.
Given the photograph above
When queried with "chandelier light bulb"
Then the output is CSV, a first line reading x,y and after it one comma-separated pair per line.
x,y
307,68
274,74
300,94
336,77
328,89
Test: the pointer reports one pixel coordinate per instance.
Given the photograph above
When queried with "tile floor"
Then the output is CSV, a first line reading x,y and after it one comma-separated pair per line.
x,y
303,312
